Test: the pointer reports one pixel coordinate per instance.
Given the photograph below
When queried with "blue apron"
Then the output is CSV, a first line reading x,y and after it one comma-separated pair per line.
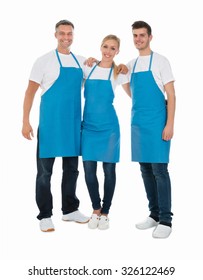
x,y
148,119
60,114
100,126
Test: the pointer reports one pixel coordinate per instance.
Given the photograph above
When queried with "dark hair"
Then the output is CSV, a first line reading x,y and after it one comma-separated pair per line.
x,y
142,24
64,22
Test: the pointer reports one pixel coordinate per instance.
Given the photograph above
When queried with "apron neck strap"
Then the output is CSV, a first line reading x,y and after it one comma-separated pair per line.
x,y
57,54
109,77
150,63
92,70
110,72
75,59
134,65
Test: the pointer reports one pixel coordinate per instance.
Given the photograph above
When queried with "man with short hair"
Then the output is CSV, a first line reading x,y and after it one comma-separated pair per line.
x,y
59,74
152,125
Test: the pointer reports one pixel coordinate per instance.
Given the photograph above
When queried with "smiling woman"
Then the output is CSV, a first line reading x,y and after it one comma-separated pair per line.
x,y
109,48
100,129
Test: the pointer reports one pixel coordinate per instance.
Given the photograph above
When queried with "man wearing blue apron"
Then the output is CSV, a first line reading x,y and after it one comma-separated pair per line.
x,y
152,123
60,76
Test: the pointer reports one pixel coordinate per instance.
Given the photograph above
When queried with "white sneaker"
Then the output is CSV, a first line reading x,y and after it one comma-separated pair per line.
x,y
94,221
162,231
75,216
148,223
46,225
103,222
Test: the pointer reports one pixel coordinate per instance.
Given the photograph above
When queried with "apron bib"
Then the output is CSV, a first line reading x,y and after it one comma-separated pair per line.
x,y
148,119
60,114
101,132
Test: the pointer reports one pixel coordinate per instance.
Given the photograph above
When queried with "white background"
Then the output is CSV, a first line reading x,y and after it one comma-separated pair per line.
x,y
27,32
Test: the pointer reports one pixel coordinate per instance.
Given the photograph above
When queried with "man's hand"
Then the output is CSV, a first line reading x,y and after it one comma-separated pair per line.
x,y
122,68
27,131
90,61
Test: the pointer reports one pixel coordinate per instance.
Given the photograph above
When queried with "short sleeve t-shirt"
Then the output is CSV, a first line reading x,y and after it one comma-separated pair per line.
x,y
160,68
103,74
46,68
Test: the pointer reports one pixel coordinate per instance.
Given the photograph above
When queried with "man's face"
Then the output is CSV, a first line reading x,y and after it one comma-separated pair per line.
x,y
64,35
141,38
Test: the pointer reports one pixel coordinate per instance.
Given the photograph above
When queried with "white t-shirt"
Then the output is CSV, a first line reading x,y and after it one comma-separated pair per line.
x,y
160,68
46,68
103,74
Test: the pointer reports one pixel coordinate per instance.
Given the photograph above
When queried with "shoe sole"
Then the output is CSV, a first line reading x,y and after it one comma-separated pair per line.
x,y
48,230
160,237
145,227
76,221
92,227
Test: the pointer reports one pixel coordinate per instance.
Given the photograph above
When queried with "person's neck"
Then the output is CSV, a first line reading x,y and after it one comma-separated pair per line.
x,y
105,64
63,51
145,52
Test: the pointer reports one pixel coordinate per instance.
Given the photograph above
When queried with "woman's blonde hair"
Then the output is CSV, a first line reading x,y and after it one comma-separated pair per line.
x,y
112,37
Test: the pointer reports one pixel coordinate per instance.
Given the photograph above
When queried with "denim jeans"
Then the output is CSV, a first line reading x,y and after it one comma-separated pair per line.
x,y
44,201
158,189
90,168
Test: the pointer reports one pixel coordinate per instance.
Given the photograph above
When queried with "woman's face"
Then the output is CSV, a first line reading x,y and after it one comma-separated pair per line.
x,y
109,49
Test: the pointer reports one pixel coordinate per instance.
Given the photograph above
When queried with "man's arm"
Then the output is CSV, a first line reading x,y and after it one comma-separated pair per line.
x,y
171,104
27,130
126,87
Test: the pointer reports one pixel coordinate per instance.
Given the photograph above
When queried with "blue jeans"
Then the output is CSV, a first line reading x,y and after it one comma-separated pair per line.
x,y
90,168
158,189
70,202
